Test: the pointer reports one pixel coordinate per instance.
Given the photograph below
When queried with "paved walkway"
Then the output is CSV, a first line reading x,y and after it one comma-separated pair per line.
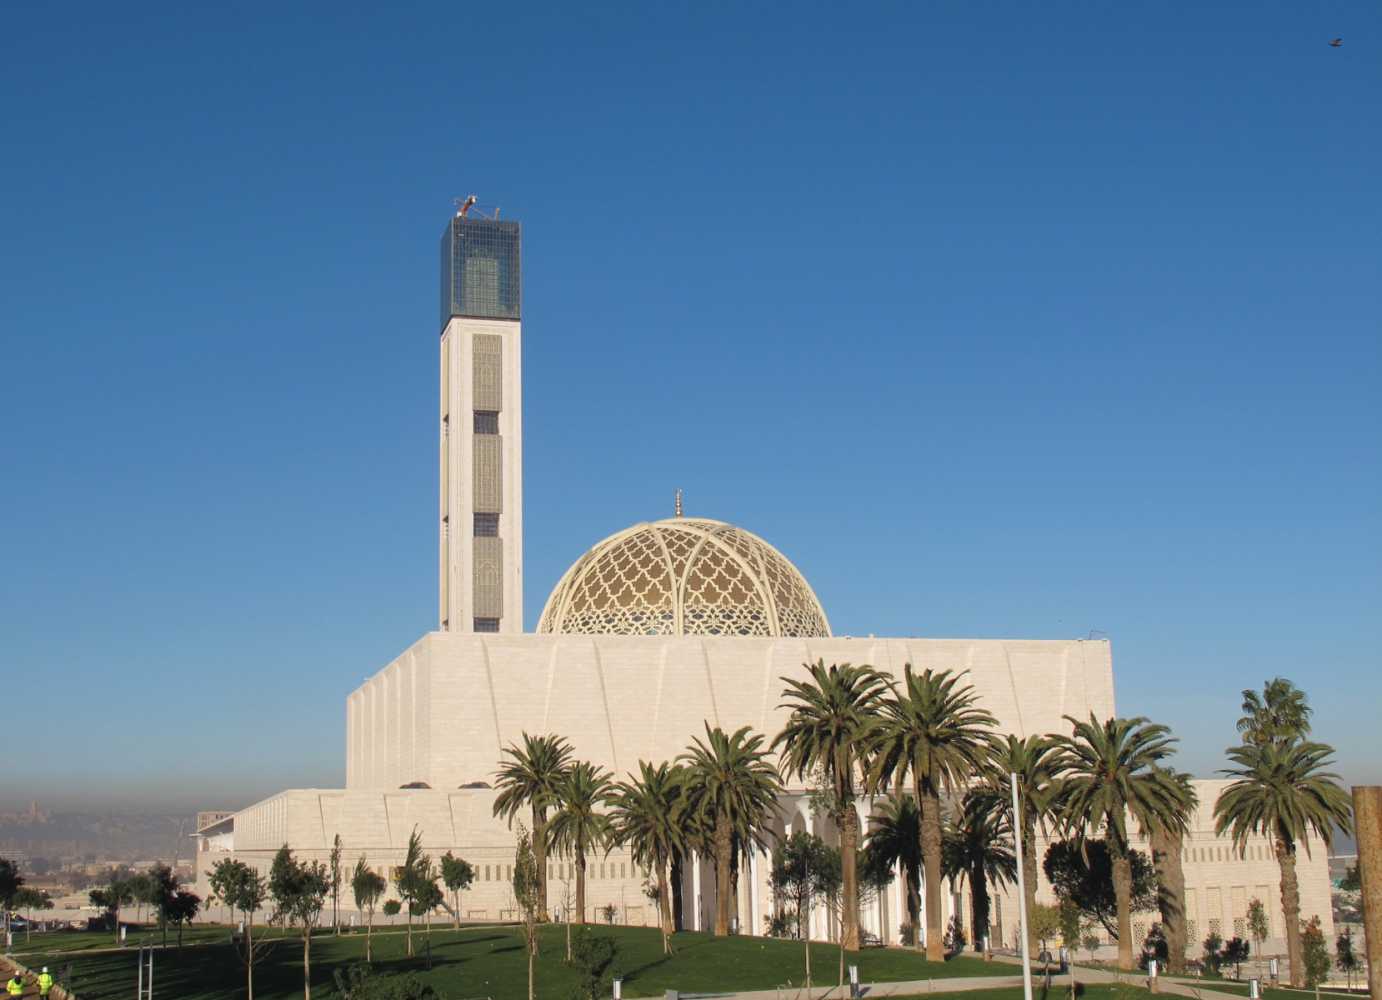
x,y
965,984
915,987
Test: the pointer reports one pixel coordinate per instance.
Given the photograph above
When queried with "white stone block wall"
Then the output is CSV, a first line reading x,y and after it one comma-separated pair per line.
x,y
442,712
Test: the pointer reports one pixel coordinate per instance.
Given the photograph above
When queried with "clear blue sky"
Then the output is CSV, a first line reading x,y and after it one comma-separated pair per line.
x,y
1000,319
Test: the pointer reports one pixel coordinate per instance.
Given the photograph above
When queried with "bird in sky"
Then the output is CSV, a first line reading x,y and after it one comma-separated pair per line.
x,y
1335,43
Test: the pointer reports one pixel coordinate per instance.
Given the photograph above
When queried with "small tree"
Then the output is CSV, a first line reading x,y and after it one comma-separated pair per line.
x,y
160,891
10,883
1344,955
241,888
1236,952
1213,955
1090,942
392,907
1070,924
457,874
1352,881
529,892
1155,947
412,880
118,892
184,909
429,897
138,883
299,892
803,869
334,868
1257,924
1046,923
593,957
367,886
1316,952
29,900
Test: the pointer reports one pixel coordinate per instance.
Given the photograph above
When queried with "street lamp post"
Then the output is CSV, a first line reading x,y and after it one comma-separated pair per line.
x,y
1021,894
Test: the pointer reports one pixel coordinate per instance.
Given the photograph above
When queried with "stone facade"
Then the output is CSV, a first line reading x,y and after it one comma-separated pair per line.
x,y
443,711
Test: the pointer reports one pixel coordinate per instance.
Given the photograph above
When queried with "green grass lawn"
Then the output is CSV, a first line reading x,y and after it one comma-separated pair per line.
x,y
490,962
55,942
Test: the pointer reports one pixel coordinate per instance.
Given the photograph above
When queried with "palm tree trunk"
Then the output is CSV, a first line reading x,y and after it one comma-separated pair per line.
x,y
849,888
724,901
369,936
978,906
931,862
1290,909
540,856
1170,876
410,931
665,907
580,886
1122,891
1029,880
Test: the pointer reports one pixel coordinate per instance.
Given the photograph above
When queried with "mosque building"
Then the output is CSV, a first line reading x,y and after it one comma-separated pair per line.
x,y
654,633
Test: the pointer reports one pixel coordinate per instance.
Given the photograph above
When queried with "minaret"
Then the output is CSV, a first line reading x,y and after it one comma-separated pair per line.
x,y
481,530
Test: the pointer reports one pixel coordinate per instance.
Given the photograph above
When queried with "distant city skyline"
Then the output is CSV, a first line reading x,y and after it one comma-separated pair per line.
x,y
999,323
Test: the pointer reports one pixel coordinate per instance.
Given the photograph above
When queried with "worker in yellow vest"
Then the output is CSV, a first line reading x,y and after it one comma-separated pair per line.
x,y
45,982
15,987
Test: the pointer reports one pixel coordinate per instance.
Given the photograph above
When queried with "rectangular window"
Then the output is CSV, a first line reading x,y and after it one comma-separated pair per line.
x,y
486,525
486,422
486,624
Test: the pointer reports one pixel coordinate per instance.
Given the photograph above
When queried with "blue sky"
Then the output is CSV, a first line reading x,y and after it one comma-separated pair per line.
x,y
999,319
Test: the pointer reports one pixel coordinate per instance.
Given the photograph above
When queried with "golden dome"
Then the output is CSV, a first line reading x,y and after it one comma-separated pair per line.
x,y
684,576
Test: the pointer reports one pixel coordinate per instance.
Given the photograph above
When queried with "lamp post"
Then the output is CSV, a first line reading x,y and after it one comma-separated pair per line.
x,y
1021,894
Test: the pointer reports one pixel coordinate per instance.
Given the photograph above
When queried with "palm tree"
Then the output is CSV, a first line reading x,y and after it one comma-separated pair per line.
x,y
731,788
578,826
367,887
1279,714
1033,760
833,715
1283,791
1108,771
530,777
895,833
933,731
1167,840
646,816
975,845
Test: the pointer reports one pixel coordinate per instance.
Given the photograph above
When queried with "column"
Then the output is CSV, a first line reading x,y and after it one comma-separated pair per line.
x,y
696,891
755,917
899,897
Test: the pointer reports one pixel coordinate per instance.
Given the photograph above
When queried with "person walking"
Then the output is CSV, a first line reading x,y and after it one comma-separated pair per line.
x,y
45,982
15,987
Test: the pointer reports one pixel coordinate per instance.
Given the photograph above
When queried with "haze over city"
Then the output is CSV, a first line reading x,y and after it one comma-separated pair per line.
x,y
998,321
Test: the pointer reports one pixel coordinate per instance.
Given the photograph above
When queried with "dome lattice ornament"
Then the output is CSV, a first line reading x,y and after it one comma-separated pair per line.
x,y
684,576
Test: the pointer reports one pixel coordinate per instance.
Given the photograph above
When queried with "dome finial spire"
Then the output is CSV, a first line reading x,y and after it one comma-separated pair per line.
x,y
677,505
